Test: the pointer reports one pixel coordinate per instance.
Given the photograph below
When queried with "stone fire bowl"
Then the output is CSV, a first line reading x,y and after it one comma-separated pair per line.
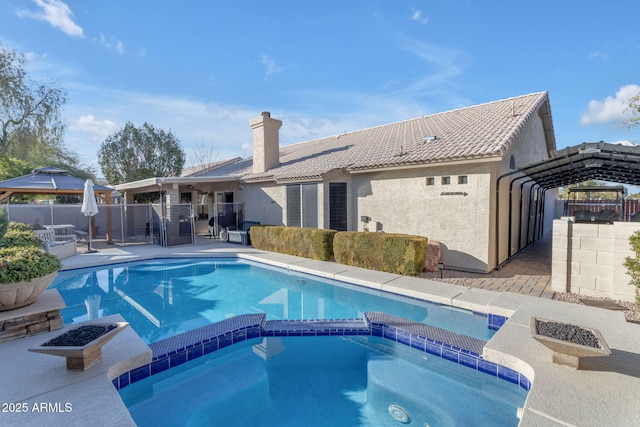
x,y
80,358
566,352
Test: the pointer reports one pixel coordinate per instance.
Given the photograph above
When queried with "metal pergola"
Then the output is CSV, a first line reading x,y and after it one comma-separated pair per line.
x,y
601,161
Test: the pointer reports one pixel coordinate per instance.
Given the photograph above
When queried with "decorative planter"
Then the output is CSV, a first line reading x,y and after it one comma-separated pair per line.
x,y
81,357
20,294
558,338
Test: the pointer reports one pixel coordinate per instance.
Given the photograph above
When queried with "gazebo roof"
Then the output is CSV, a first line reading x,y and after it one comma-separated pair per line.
x,y
48,180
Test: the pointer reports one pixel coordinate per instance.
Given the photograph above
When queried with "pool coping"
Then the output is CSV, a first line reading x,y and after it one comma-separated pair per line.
x,y
602,395
43,391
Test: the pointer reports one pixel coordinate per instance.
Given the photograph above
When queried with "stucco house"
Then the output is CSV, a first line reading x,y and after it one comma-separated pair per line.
x,y
436,176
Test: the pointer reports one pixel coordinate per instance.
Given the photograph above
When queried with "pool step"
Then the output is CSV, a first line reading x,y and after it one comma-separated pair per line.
x,y
404,331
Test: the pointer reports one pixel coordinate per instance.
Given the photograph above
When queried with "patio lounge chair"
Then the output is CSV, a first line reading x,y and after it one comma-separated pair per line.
x,y
61,246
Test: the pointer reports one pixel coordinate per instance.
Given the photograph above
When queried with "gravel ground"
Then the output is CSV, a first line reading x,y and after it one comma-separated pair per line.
x,y
451,276
632,312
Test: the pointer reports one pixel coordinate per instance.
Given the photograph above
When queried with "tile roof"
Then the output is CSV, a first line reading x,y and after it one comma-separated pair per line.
x,y
200,170
480,131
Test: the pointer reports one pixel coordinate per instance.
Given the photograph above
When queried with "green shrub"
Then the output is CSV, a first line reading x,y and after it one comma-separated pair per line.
x,y
4,222
19,264
19,234
19,226
304,242
393,253
632,264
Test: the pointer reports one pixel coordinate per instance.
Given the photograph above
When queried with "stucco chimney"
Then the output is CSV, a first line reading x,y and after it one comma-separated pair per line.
x,y
266,142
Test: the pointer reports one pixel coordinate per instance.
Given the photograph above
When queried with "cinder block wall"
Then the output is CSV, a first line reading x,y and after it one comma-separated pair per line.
x,y
588,258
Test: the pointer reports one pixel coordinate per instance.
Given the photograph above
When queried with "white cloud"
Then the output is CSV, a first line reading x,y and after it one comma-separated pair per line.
x,y
97,129
56,13
419,17
441,66
226,127
612,109
111,43
246,149
270,64
626,143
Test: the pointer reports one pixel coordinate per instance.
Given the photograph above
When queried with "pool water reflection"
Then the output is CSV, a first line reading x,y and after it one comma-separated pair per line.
x,y
165,297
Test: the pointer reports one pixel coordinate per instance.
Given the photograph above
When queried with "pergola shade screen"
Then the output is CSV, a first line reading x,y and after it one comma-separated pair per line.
x,y
588,161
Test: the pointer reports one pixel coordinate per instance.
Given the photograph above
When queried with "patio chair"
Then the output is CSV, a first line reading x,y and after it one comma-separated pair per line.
x,y
62,248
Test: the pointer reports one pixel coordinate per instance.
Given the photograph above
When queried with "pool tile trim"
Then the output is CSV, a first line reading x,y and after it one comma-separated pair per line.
x,y
495,322
461,349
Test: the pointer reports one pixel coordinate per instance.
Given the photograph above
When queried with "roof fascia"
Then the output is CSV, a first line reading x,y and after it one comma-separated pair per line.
x,y
299,180
544,112
150,182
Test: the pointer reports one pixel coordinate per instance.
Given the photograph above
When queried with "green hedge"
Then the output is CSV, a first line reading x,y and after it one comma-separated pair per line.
x,y
304,242
394,253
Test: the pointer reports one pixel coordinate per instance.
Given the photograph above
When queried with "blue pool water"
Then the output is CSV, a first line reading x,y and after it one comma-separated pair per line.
x,y
322,381
164,297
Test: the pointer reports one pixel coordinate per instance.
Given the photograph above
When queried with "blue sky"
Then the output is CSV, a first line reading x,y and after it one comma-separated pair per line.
x,y
203,69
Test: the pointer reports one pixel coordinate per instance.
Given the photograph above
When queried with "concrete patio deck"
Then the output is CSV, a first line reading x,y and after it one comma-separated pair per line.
x,y
602,394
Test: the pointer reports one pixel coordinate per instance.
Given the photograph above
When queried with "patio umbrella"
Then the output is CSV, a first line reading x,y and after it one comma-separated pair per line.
x,y
89,207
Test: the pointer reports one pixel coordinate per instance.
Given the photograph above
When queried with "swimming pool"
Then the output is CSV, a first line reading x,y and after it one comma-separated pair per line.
x,y
322,381
162,298
196,312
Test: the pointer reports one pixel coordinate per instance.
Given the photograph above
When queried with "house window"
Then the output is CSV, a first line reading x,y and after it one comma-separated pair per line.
x,y
302,205
462,179
185,197
446,180
431,181
512,163
338,206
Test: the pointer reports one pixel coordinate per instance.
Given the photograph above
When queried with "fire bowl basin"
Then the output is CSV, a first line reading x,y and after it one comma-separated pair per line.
x,y
569,343
81,357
